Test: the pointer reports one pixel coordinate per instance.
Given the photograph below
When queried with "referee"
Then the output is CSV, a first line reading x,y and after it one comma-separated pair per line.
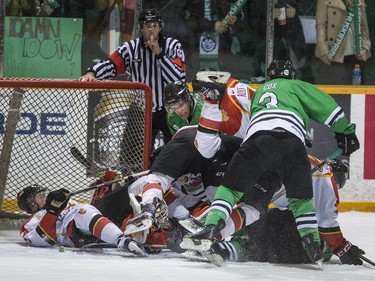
x,y
151,59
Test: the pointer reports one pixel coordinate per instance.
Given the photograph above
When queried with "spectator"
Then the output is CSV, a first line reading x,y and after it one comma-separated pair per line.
x,y
340,54
289,40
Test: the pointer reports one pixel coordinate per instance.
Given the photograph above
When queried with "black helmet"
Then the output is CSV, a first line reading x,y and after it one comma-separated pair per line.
x,y
281,68
26,197
150,15
175,92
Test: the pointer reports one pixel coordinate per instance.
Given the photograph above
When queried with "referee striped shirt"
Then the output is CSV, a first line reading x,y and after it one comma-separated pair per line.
x,y
143,65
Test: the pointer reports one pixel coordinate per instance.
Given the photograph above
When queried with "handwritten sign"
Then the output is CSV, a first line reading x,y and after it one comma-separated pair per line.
x,y
38,47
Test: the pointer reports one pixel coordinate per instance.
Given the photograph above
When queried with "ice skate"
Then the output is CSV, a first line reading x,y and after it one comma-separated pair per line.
x,y
191,224
203,240
126,244
313,250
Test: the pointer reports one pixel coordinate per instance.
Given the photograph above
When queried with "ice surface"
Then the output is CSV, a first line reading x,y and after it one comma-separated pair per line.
x,y
18,262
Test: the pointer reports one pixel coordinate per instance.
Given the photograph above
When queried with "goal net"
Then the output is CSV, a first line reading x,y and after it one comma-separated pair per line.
x,y
45,124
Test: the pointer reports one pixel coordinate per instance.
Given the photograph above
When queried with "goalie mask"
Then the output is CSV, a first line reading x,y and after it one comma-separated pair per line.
x,y
281,69
26,197
150,15
215,80
174,93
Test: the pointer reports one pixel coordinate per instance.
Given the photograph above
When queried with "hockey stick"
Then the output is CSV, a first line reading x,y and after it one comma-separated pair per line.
x,y
362,257
332,156
83,160
91,187
80,157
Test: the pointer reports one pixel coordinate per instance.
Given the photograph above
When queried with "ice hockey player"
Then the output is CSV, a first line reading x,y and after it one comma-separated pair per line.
x,y
58,220
226,109
275,238
176,159
275,142
183,108
235,106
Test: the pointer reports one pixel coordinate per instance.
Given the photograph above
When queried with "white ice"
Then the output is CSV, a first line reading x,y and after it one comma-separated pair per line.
x,y
18,262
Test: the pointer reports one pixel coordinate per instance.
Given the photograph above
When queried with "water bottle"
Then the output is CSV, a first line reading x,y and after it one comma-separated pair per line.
x,y
356,75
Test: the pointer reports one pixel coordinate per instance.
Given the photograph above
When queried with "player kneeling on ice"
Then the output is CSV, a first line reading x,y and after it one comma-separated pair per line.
x,y
58,220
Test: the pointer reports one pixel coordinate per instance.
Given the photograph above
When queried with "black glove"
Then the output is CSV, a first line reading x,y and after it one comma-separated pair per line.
x,y
349,253
57,201
347,143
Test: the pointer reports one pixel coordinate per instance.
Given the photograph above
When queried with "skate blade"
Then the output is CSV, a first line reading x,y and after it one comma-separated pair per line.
x,y
320,263
213,258
141,226
194,256
133,248
190,226
196,244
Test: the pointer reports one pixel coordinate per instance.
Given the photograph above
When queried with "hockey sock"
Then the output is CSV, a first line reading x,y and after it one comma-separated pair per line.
x,y
305,217
210,119
222,206
240,217
228,250
151,191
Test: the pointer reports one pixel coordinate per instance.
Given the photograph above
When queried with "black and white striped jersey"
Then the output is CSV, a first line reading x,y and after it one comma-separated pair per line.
x,y
143,65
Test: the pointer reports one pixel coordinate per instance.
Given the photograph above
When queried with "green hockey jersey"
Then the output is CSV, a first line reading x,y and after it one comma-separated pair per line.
x,y
290,104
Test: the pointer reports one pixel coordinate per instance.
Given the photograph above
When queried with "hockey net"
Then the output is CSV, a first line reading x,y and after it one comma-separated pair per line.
x,y
45,123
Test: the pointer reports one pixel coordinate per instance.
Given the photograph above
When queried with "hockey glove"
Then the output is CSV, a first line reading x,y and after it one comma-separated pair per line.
x,y
349,253
347,143
57,201
212,95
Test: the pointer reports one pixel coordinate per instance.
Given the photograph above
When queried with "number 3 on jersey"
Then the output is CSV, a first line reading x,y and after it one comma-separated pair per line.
x,y
268,99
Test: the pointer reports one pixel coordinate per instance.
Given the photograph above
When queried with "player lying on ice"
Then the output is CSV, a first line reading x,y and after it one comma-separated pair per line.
x,y
281,110
58,220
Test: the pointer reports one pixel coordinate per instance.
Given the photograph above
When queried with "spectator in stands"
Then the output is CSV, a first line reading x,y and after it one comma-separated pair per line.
x,y
289,39
340,54
152,59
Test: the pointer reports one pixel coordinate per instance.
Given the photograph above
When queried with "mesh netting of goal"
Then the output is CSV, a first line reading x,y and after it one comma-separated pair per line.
x,y
43,121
